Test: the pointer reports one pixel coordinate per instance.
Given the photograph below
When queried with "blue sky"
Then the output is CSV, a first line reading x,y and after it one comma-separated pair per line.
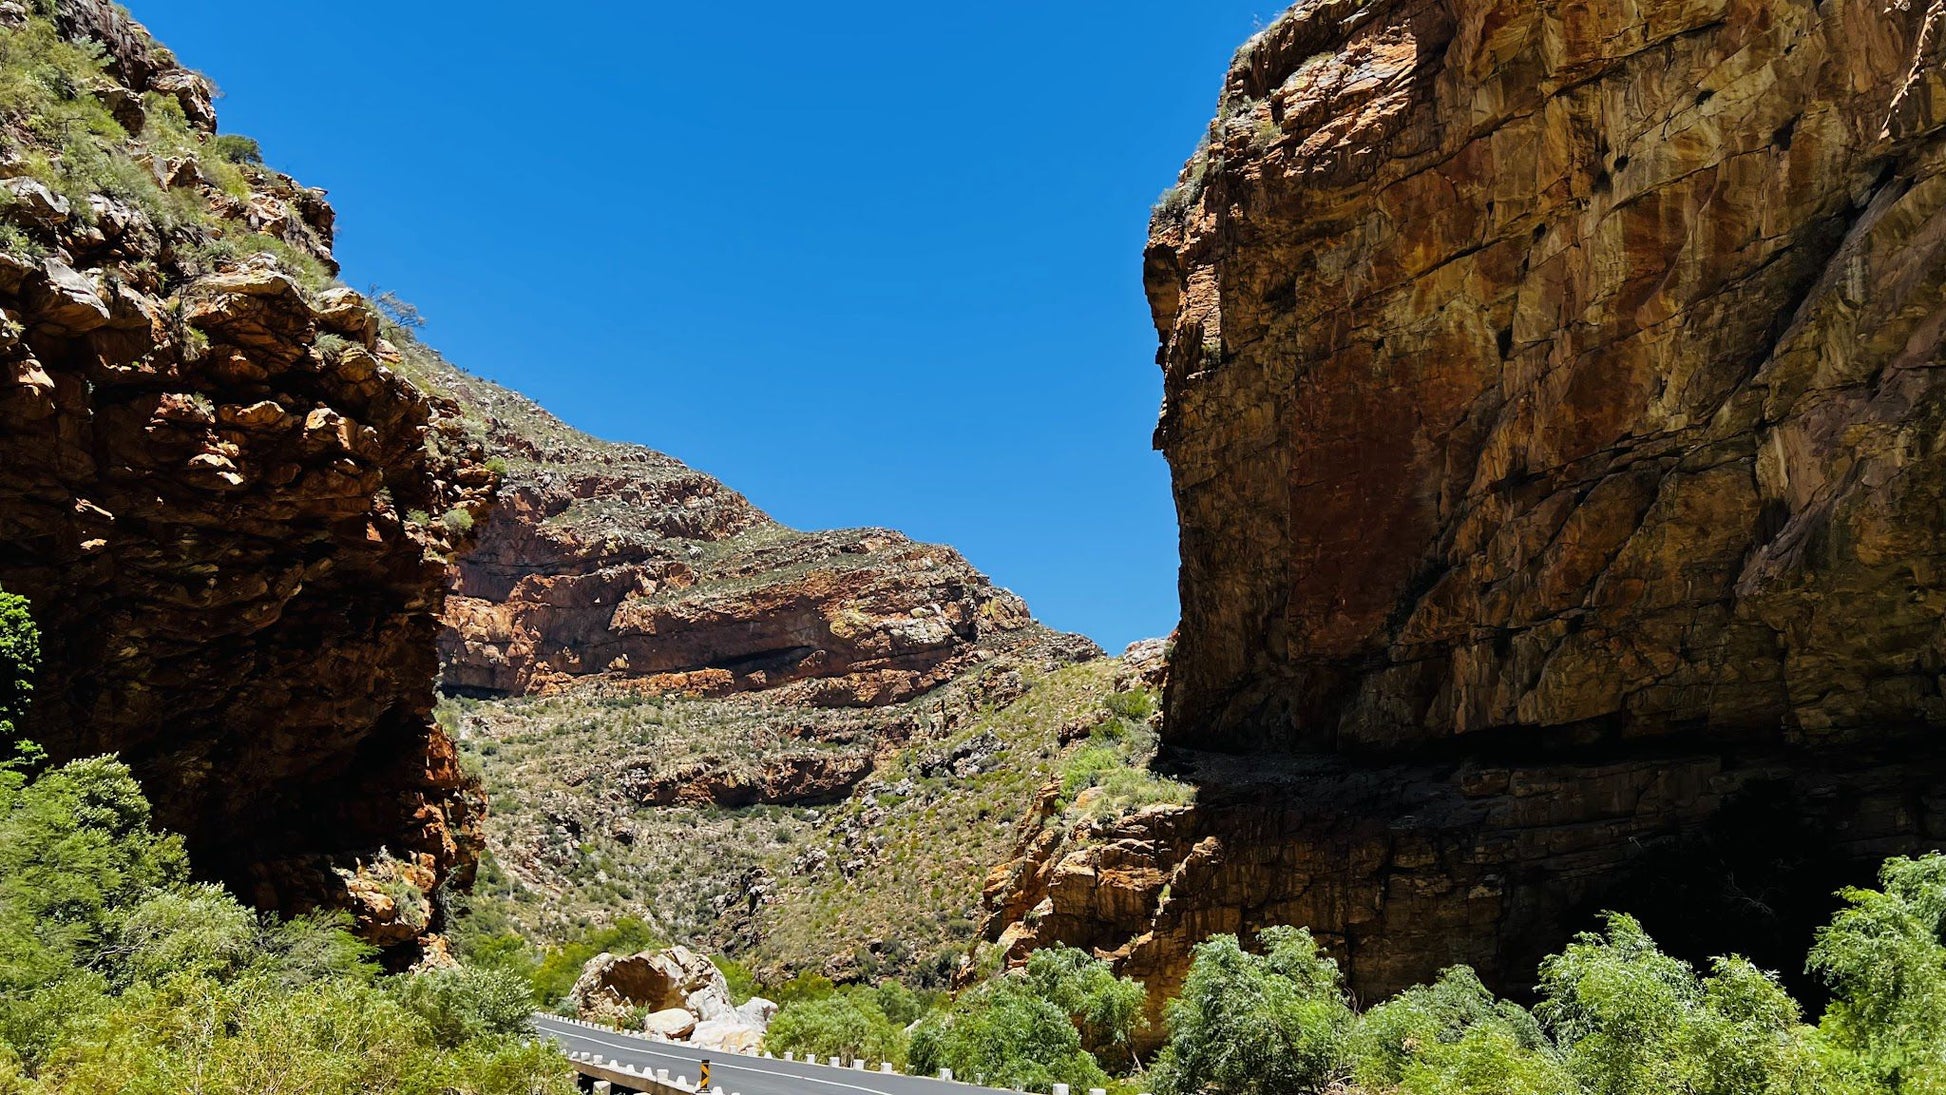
x,y
869,263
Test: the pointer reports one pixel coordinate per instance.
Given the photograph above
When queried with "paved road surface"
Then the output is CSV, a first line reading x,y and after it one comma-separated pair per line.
x,y
735,1072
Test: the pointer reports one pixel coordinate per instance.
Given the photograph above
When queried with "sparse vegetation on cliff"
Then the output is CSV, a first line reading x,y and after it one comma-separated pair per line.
x,y
886,879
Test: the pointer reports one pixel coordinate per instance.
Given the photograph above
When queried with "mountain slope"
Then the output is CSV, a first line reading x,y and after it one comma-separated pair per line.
x,y
805,748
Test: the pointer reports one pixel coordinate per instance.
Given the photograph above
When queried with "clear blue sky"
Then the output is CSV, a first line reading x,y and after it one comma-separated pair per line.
x,y
869,263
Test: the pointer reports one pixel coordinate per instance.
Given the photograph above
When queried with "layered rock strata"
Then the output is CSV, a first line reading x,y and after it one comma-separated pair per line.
x,y
1551,390
209,471
615,563
686,708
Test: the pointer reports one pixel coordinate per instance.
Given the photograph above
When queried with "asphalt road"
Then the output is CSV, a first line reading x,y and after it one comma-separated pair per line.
x,y
735,1072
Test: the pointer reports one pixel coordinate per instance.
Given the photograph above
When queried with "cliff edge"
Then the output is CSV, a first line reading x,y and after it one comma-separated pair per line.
x,y
217,489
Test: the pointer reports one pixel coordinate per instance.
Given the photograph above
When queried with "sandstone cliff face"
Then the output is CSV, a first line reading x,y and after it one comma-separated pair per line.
x,y
208,472
1561,368
1554,410
616,563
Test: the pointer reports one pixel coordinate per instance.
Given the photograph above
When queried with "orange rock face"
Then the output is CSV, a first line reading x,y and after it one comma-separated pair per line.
x,y
1551,391
205,499
614,563
1560,370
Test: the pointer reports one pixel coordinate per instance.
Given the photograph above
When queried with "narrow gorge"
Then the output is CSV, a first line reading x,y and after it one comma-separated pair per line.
x,y
1555,429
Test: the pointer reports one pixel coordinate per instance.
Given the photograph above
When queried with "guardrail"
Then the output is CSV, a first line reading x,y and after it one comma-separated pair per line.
x,y
608,1079
627,1078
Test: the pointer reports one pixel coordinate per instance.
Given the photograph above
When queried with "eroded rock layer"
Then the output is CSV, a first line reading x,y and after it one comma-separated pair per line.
x,y
208,471
615,563
1554,389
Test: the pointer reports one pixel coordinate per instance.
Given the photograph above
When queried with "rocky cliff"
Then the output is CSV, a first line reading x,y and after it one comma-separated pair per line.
x,y
692,714
616,563
1554,407
216,490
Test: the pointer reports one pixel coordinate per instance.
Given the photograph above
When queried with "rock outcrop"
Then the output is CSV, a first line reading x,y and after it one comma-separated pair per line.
x,y
657,980
1553,401
617,563
209,471
1560,370
686,997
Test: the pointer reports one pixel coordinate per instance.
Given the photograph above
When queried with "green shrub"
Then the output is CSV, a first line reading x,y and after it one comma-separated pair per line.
x,y
468,1003
17,241
848,1024
1883,960
1631,1020
1005,1034
236,148
1453,1036
1105,1009
20,659
900,1004
1617,1003
118,974
1248,1024
1138,705
560,966
803,987
743,984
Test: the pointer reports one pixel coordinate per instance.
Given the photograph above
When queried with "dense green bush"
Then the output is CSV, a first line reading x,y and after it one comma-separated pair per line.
x,y
486,939
1883,960
20,659
1004,1033
738,977
1617,1016
1105,1009
1274,1023
803,987
848,1023
236,148
1453,1036
119,974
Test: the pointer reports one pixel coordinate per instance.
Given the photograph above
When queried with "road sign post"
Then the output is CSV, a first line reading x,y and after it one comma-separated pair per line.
x,y
702,1078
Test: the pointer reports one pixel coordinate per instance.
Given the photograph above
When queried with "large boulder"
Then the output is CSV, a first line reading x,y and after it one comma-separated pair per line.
x,y
671,1023
757,1012
727,1036
657,980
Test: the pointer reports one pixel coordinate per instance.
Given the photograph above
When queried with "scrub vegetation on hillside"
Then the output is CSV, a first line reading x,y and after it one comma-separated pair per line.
x,y
1616,1016
120,974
